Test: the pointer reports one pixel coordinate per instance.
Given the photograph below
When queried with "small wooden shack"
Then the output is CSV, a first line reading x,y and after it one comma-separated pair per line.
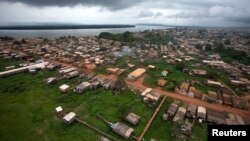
x,y
191,111
172,110
64,88
212,96
72,74
51,80
201,113
132,118
81,87
122,130
180,114
69,118
214,117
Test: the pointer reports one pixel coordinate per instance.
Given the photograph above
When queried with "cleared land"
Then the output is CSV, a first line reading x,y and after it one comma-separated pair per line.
x,y
27,111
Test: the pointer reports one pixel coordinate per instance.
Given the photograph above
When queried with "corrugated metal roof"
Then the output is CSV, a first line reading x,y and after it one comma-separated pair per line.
x,y
138,72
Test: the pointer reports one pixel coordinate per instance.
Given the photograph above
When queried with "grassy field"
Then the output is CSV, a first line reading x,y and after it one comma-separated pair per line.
x,y
176,76
27,109
5,63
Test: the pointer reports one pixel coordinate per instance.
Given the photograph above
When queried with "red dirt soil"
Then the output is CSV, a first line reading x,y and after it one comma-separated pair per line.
x,y
138,85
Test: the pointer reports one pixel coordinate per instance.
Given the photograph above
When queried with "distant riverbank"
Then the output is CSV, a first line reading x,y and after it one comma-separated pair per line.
x,y
58,27
74,32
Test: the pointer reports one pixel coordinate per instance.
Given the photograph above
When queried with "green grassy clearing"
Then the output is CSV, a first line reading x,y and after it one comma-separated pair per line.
x,y
5,63
176,76
27,106
27,109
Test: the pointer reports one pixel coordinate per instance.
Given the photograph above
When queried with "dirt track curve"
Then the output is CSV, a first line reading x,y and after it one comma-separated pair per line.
x,y
217,107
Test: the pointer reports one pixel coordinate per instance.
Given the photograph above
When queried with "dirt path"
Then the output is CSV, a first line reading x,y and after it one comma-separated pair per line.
x,y
151,119
138,84
217,107
112,77
213,106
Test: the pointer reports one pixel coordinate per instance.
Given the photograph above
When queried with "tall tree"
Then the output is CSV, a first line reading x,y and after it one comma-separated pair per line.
x,y
198,46
120,84
227,42
208,47
219,48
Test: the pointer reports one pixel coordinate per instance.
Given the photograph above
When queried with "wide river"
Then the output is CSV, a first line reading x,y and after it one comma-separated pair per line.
x,y
72,32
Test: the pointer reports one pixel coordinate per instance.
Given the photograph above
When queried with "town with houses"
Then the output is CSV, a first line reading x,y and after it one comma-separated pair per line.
x,y
182,77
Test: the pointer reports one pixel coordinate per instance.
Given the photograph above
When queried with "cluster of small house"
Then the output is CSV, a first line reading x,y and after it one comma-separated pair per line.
x,y
115,71
221,65
173,56
65,72
86,50
95,82
209,36
31,67
235,69
91,80
119,128
187,40
198,72
78,51
243,83
178,113
244,68
162,82
168,52
193,111
150,97
5,54
122,129
212,96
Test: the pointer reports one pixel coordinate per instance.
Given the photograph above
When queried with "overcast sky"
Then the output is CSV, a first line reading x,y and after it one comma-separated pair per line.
x,y
188,12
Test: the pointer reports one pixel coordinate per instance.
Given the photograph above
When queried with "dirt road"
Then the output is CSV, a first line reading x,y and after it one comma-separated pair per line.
x,y
213,106
139,86
217,107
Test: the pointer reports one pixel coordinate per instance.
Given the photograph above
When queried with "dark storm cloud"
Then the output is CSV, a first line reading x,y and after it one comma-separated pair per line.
x,y
110,4
184,4
245,20
216,11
